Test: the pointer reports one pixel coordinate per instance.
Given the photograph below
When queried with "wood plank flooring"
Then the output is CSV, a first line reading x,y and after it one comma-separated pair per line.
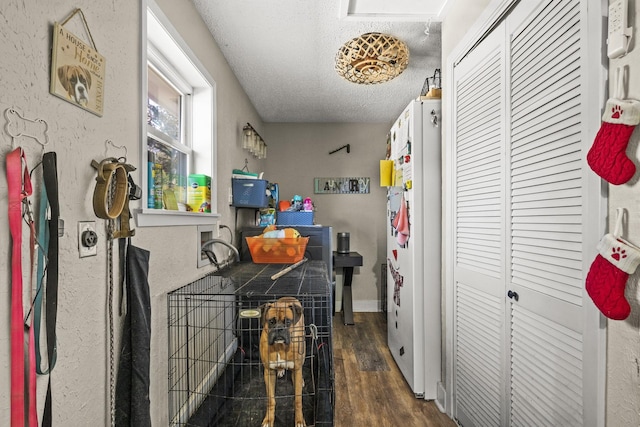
x,y
370,389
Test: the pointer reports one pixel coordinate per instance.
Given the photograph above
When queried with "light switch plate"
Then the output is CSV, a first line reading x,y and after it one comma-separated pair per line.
x,y
619,34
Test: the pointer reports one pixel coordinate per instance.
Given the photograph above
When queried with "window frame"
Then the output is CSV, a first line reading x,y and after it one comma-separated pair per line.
x,y
163,68
200,135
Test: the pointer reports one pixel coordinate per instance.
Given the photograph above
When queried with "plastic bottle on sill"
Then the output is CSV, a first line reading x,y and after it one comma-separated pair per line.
x,y
157,184
151,191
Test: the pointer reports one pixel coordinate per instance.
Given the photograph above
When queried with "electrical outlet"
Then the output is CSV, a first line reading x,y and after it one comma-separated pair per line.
x,y
87,239
230,195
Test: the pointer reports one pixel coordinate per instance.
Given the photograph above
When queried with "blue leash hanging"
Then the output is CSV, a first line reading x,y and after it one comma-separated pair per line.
x,y
43,244
48,224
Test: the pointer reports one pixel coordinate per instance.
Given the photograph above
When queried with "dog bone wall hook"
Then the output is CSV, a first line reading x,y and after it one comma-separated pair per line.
x,y
17,125
108,143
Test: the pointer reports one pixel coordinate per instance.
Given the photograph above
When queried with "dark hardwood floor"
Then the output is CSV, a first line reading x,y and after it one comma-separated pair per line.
x,y
370,389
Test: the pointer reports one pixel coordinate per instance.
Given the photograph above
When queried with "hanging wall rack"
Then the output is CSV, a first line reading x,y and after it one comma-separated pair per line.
x,y
108,143
18,126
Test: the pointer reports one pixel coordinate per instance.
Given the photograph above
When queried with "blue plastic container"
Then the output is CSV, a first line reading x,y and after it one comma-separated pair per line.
x,y
249,193
294,218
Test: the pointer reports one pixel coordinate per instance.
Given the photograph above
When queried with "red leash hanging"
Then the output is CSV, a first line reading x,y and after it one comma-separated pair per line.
x,y
19,188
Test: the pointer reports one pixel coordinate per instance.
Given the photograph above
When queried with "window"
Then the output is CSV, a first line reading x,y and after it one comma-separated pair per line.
x,y
179,126
164,106
168,149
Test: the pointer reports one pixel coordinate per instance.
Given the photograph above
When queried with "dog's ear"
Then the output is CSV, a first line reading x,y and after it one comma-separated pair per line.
x,y
62,76
297,312
87,76
264,309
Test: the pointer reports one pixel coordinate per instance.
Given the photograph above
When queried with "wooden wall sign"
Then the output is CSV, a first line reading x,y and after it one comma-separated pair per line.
x,y
77,69
349,185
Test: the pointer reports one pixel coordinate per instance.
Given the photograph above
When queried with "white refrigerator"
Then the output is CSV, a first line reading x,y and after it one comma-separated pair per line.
x,y
414,246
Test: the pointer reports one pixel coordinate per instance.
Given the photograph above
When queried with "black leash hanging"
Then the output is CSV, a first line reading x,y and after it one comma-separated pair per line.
x,y
50,173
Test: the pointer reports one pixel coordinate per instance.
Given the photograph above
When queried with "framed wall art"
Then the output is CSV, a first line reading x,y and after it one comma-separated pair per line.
x,y
77,69
341,185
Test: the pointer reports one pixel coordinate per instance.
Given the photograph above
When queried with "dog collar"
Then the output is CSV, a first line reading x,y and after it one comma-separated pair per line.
x,y
109,199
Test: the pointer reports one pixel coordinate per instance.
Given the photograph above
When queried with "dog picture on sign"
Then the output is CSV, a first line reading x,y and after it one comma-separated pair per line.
x,y
77,71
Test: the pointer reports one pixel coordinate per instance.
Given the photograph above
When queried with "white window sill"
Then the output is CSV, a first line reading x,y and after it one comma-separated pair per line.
x,y
165,218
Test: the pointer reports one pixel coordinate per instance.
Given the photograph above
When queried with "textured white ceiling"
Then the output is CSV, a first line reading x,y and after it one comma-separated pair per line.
x,y
283,54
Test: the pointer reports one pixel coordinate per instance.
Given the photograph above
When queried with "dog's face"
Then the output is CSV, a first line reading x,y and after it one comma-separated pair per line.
x,y
76,81
278,319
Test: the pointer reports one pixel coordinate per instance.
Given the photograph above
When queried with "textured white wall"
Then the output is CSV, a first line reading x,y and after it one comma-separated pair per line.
x,y
80,380
79,383
623,349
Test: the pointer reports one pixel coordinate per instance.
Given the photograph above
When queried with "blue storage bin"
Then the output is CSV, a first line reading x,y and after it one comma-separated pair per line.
x,y
249,193
294,218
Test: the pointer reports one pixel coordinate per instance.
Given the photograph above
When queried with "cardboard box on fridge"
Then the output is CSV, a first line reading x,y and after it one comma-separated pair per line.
x,y
199,193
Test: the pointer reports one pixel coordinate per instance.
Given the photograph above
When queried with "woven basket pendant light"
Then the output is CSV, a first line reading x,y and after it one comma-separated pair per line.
x,y
372,58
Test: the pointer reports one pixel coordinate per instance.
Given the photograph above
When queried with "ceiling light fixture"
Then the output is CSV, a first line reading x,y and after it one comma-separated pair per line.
x,y
372,58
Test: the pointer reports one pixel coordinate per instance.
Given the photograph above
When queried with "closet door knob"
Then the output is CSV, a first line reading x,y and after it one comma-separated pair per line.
x,y
513,295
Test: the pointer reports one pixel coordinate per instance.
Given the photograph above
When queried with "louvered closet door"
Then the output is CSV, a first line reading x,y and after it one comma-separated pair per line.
x,y
546,161
519,306
479,271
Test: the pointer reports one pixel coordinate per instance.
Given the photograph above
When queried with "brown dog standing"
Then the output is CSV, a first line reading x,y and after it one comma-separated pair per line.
x,y
282,347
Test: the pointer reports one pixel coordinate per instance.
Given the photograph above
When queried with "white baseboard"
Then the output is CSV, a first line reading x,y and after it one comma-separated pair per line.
x,y
362,306
441,399
367,306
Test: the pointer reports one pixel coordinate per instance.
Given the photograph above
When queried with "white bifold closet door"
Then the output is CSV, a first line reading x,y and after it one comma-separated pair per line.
x,y
480,234
519,208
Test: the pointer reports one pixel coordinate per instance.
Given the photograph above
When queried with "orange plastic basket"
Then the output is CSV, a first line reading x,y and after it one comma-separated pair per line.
x,y
286,250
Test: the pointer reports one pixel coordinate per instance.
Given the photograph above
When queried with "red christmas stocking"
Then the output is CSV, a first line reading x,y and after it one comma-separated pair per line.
x,y
607,277
607,156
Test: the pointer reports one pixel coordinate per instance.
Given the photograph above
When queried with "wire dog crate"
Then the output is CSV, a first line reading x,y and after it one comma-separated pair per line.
x,y
216,377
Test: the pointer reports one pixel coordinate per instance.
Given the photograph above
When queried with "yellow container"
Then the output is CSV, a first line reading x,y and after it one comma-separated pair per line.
x,y
199,193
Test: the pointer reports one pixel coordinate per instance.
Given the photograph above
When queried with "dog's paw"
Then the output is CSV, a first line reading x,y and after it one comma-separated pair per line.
x,y
267,423
281,373
301,423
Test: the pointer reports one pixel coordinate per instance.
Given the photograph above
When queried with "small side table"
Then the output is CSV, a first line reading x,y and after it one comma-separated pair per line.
x,y
347,262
